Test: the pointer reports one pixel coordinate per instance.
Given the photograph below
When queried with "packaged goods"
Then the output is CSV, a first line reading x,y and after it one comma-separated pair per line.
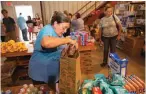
x,y
117,80
138,79
138,83
96,90
81,36
117,85
69,51
133,84
118,90
86,91
100,76
105,88
117,65
127,88
70,73
88,84
129,85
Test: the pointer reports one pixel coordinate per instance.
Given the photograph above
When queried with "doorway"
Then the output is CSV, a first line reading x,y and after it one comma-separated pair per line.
x,y
26,10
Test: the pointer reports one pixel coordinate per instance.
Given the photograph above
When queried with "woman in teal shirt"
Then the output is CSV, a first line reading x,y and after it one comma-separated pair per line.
x,y
44,62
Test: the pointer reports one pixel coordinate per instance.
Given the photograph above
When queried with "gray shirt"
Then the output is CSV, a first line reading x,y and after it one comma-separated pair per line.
x,y
108,26
78,24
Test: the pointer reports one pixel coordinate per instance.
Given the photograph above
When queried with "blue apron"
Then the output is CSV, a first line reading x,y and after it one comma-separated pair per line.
x,y
44,63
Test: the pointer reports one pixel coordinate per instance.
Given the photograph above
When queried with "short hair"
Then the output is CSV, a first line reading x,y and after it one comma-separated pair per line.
x,y
107,7
20,14
4,10
78,15
29,17
59,17
70,14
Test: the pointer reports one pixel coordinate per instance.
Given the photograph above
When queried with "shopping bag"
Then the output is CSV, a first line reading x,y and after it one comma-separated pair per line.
x,y
70,73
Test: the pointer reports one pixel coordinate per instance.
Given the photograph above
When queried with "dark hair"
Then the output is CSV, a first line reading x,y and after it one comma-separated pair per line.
x,y
70,14
90,26
78,15
95,25
4,10
59,18
29,17
107,7
20,14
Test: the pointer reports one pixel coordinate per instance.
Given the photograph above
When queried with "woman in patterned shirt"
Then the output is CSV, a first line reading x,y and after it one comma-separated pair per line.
x,y
109,32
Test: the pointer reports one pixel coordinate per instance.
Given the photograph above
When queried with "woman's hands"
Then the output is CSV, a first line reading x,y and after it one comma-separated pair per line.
x,y
71,41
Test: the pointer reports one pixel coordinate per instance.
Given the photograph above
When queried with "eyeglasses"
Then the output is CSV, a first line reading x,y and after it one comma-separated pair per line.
x,y
63,27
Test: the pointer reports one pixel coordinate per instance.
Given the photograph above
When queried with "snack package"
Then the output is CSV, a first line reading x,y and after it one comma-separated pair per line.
x,y
117,80
118,90
100,76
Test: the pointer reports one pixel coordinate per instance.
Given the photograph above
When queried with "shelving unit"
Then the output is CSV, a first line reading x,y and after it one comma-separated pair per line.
x,y
132,16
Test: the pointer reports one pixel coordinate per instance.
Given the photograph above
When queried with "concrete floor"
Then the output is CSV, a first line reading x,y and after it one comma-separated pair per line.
x,y
136,65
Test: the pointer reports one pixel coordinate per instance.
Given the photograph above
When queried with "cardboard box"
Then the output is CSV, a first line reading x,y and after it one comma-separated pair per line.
x,y
86,61
70,75
117,65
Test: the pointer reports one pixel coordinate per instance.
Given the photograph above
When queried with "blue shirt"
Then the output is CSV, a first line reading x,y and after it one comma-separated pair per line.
x,y
21,22
44,62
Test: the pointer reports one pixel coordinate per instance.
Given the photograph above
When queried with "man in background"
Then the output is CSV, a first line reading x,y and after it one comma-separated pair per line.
x,y
22,25
11,27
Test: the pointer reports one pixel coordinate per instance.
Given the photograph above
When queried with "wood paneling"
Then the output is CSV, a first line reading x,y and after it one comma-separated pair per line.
x,y
48,7
11,9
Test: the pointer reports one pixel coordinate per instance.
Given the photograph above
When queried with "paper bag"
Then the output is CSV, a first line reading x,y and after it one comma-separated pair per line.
x,y
70,73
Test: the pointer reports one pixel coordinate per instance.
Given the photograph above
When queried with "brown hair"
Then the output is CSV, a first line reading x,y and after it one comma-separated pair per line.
x,y
4,10
59,17
107,7
78,15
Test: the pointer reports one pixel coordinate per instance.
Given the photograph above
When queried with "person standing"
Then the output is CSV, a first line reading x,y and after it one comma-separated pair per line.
x,y
78,23
30,26
22,25
109,32
3,34
11,27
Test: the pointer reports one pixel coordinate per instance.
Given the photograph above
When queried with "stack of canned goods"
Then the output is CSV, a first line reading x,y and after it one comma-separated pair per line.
x,y
81,37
